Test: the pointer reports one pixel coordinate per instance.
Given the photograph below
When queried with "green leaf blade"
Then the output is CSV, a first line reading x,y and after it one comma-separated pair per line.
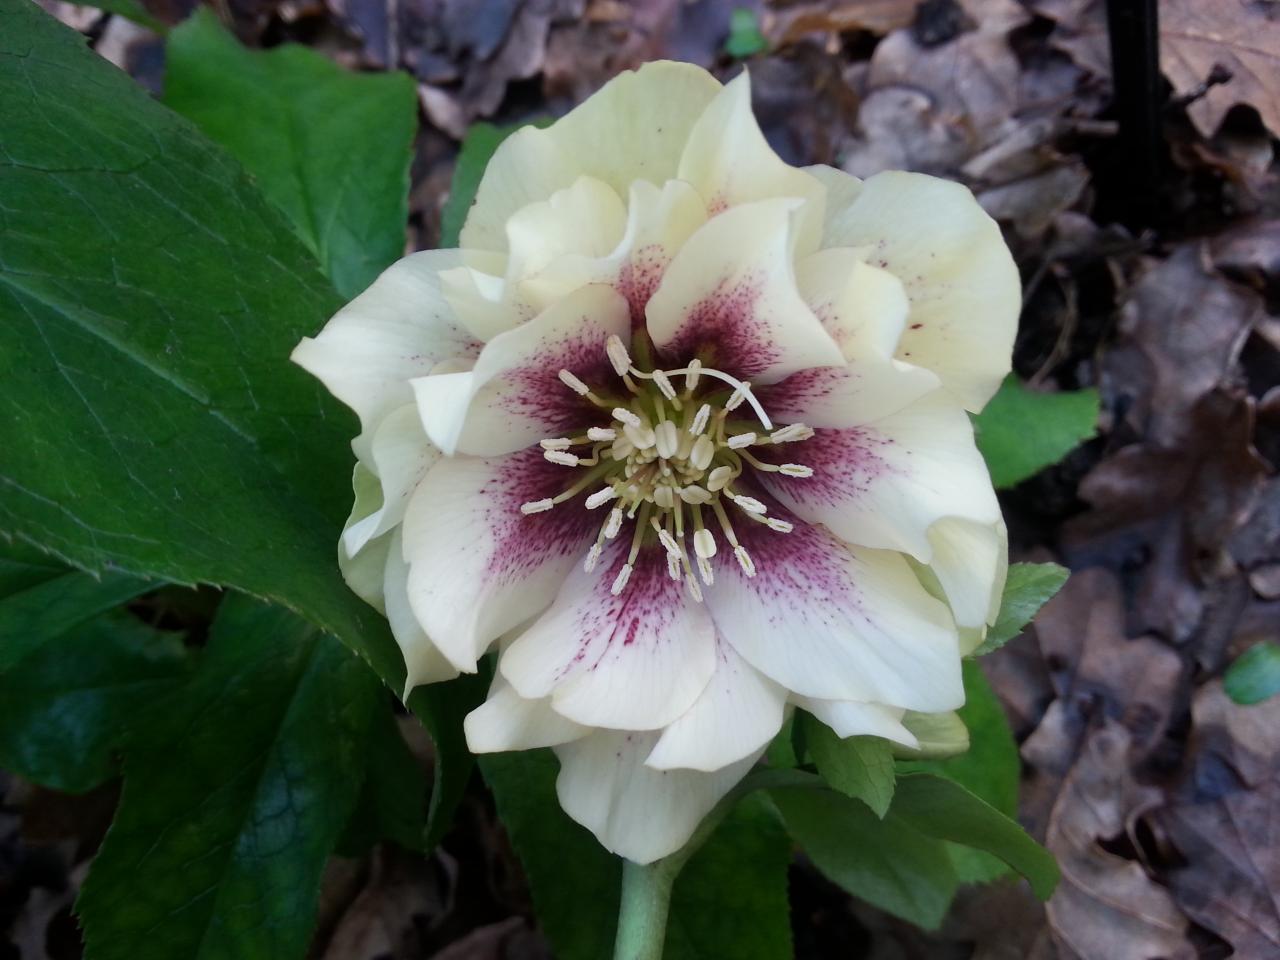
x,y
858,767
1021,431
235,793
1028,588
941,808
306,129
887,863
63,707
1254,676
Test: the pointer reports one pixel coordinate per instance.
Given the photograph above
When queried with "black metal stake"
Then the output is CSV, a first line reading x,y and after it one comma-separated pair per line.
x,y
1133,28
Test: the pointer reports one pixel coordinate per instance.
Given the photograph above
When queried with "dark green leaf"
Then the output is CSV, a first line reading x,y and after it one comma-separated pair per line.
x,y
1021,431
574,882
886,862
941,808
129,9
745,38
64,707
478,146
50,608
1029,587
329,147
990,769
23,566
442,708
235,793
393,799
859,767
150,419
730,899
1255,676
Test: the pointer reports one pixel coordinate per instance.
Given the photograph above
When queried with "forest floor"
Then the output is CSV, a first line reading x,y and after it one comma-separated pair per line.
x,y
1154,278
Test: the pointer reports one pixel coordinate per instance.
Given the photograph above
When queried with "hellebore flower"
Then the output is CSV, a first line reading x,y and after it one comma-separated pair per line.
x,y
683,430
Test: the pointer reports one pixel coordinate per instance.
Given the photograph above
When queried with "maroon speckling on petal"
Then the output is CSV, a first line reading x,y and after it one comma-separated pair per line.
x,y
725,330
537,394
806,568
642,613
790,398
845,464
523,542
639,278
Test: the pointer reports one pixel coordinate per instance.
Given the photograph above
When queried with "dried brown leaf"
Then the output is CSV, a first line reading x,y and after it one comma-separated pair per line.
x,y
1107,907
1226,825
1239,39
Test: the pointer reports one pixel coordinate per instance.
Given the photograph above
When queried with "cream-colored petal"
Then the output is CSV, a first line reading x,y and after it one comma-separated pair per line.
x,y
364,571
730,297
586,219
659,221
963,285
863,308
862,392
635,661
971,561
507,721
514,396
635,811
477,565
729,162
633,128
836,622
886,483
842,189
398,329
736,716
423,661
477,292
400,456
849,718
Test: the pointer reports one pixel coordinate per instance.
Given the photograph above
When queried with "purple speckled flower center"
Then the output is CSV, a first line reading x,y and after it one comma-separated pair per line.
x,y
674,463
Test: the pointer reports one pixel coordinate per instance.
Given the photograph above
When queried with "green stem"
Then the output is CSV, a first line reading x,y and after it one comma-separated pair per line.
x,y
646,898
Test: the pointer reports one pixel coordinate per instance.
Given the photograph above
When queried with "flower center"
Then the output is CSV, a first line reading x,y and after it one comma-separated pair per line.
x,y
667,458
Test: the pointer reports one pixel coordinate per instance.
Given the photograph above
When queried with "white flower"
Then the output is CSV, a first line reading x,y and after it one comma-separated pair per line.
x,y
685,427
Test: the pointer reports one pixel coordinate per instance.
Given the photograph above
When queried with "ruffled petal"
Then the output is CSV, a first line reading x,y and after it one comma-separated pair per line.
x,y
586,219
970,561
863,308
635,811
477,292
864,391
400,456
736,716
886,483
730,298
633,128
729,162
659,221
507,721
477,565
635,661
364,570
398,329
851,719
837,622
423,661
963,285
514,397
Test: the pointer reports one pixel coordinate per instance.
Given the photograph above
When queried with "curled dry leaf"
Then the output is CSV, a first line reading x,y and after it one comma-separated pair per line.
x,y
1098,674
1219,53
1225,823
1107,907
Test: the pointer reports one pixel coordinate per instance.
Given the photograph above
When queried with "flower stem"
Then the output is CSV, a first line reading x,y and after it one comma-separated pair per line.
x,y
642,919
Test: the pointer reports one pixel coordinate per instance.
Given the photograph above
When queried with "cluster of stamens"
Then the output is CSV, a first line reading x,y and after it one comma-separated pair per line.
x,y
666,458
